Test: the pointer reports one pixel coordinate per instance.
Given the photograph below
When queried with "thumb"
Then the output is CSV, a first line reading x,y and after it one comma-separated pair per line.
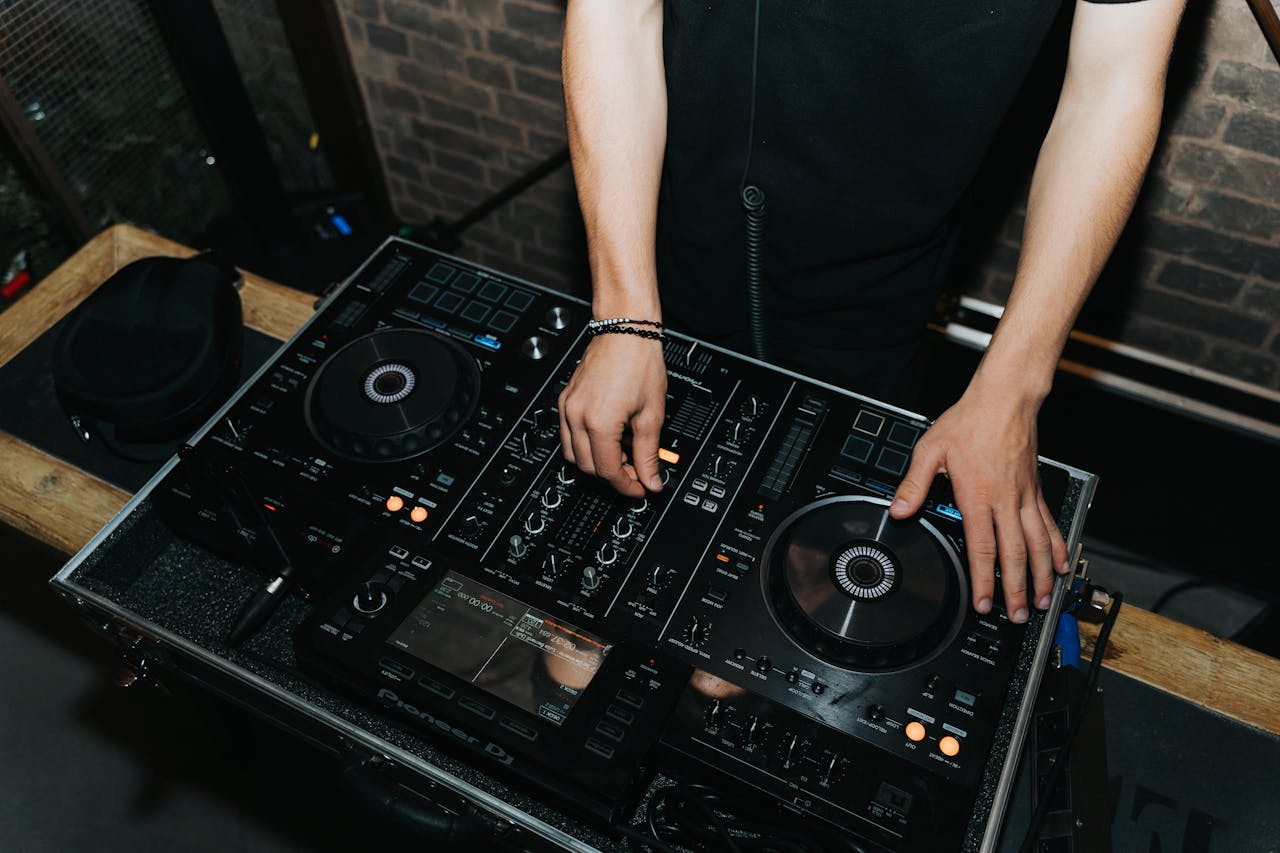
x,y
925,463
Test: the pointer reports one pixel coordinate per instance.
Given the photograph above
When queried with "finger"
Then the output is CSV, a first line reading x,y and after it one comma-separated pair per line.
x,y
926,461
646,427
607,455
1056,542
1013,561
582,448
566,435
980,544
1039,552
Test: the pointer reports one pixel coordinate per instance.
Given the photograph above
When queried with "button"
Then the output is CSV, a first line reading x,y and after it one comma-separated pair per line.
x,y
601,749
449,302
525,731
475,312
354,627
444,480
478,708
395,503
699,485
421,563
418,514
396,668
857,448
626,697
710,505
717,594
868,422
444,691
423,292
964,697
519,300
398,552
692,499
611,731
492,291
440,272
717,491
915,731
903,435
949,746
893,461
502,321
622,715
466,282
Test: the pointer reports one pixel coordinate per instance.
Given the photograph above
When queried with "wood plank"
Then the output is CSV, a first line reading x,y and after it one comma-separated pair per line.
x,y
50,500
1195,665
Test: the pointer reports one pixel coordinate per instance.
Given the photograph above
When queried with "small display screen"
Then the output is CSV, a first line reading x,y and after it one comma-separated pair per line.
x,y
511,650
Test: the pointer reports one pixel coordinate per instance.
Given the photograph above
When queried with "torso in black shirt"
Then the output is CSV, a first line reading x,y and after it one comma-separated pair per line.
x,y
871,120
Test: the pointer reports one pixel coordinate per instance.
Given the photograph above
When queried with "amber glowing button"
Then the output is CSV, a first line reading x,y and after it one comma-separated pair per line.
x,y
915,731
949,746
418,514
668,456
395,503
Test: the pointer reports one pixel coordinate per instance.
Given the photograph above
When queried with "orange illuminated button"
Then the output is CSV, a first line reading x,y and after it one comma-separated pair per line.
x,y
668,456
418,514
949,746
395,503
915,730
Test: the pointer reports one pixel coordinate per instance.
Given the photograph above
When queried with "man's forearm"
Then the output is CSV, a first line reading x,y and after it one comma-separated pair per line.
x,y
616,106
1086,180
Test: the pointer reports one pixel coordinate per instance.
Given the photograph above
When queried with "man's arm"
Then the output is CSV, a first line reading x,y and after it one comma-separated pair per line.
x,y
1086,179
616,104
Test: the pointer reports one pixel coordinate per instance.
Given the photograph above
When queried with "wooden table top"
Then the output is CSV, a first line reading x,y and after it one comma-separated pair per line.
x,y
63,506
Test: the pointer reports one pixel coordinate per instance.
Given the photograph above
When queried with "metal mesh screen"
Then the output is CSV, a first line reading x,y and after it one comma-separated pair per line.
x,y
95,81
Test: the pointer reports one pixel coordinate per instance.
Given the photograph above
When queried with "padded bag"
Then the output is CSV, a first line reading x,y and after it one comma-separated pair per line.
x,y
151,354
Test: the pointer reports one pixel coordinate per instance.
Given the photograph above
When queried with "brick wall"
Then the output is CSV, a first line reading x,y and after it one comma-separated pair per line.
x,y
465,95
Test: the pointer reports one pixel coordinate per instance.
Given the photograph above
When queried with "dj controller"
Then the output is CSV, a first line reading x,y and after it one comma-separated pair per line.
x,y
759,625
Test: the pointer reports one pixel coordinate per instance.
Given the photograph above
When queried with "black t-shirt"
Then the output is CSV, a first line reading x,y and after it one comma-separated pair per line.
x,y
871,120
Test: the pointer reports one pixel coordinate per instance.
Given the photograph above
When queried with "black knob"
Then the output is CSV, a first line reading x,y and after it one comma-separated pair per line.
x,y
819,688
793,676
533,523
369,598
551,498
590,577
565,476
516,547
660,576
739,654
876,713
752,731
469,526
697,632
551,566
715,714
607,554
639,505
622,528
763,664
933,682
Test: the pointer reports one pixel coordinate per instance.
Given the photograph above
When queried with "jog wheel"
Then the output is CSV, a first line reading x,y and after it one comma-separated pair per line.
x,y
860,590
392,395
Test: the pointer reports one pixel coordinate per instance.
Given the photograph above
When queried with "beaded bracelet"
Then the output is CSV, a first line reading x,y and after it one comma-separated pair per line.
x,y
616,321
626,330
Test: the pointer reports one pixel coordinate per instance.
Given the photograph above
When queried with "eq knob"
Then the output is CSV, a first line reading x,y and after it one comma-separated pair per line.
x,y
832,769
622,528
565,476
590,578
660,575
533,523
638,505
551,566
752,731
551,498
716,714
793,750
516,547
607,554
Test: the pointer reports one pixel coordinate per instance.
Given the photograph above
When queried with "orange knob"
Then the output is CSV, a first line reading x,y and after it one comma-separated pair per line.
x,y
915,730
418,514
949,746
395,503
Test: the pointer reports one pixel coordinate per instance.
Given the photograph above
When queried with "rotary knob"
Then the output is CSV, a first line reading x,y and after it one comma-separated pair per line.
x,y
590,578
660,575
557,317
716,714
551,498
752,731
533,523
638,505
607,554
793,749
369,598
551,566
832,769
696,633
469,526
565,476
622,528
516,547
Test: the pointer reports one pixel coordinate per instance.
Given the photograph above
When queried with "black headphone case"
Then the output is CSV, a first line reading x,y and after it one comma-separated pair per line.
x,y
151,354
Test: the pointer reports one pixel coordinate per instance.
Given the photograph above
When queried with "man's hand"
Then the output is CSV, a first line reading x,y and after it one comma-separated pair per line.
x,y
620,383
986,445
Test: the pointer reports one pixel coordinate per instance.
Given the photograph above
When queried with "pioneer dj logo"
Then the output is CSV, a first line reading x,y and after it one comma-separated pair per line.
x,y
490,748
